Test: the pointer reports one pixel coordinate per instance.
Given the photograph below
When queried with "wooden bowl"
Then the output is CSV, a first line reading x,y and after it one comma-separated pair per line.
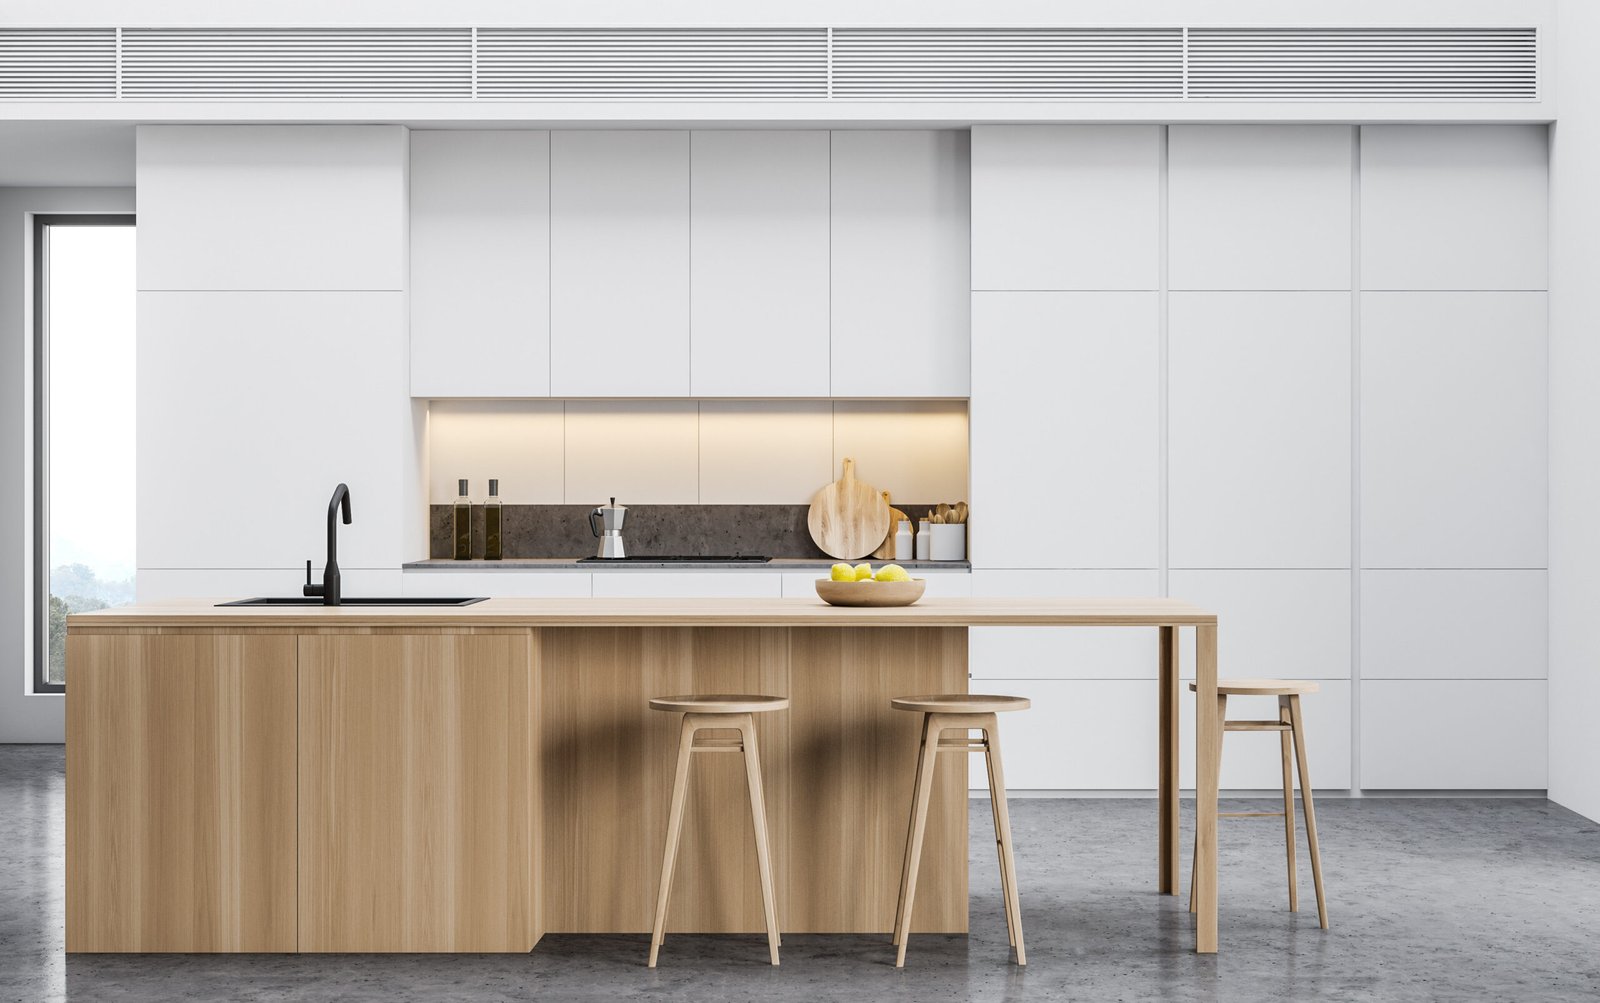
x,y
870,593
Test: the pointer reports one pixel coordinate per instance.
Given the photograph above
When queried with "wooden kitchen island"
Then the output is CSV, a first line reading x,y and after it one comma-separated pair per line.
x,y
469,779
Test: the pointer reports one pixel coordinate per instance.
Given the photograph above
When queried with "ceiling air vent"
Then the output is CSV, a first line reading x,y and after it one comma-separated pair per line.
x,y
731,64
1363,64
1037,64
297,64
44,64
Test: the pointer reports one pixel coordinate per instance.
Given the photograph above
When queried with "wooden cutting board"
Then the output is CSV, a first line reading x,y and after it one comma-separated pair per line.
x,y
886,552
848,518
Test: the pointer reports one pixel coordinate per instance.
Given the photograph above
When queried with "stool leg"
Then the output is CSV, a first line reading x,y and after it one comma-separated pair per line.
x,y
994,810
911,823
1222,729
1287,751
1305,801
1008,863
919,825
758,814
669,857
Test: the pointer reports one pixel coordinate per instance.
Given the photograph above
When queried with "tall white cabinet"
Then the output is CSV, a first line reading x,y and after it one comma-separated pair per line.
x,y
272,356
1296,374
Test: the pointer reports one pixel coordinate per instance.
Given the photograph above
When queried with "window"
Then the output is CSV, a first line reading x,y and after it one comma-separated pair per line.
x,y
83,427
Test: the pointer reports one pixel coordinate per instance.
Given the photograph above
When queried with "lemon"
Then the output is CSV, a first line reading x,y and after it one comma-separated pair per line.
x,y
863,572
893,573
843,573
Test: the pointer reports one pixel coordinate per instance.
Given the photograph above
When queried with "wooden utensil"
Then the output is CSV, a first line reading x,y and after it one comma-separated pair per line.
x,y
961,512
848,518
886,552
870,593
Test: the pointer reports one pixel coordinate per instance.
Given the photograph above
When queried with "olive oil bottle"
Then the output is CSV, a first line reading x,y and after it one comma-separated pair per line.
x,y
461,522
492,523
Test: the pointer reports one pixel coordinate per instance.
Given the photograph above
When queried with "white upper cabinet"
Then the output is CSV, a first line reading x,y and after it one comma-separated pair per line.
x,y
1066,207
1455,207
619,263
257,207
758,274
901,283
480,263
1259,206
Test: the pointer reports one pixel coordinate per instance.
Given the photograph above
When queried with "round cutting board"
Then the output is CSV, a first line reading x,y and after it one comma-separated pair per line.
x,y
848,519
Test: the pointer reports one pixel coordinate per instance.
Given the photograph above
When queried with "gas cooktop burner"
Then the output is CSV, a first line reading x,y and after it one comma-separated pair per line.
x,y
678,559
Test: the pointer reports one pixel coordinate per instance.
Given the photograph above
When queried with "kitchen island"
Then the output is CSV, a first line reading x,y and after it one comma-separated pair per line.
x,y
470,778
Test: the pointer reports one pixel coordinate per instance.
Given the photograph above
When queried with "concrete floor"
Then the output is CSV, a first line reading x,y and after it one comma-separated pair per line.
x,y
1429,899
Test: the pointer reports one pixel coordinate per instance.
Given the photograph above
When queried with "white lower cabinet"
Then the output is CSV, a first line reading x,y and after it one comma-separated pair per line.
x,y
687,585
1063,652
1080,734
1251,760
1476,734
497,584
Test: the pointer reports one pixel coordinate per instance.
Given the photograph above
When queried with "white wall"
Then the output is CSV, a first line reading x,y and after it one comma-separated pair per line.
x,y
25,718
1574,419
273,355
1297,374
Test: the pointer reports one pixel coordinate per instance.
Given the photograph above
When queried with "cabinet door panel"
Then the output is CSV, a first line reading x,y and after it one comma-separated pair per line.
x,y
1434,734
416,780
900,272
480,263
759,264
619,264
181,793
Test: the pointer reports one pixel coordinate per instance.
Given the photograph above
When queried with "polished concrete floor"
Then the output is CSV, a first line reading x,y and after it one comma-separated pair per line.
x,y
1430,899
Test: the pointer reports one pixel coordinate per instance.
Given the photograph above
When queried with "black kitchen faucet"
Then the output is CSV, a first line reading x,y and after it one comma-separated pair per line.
x,y
329,589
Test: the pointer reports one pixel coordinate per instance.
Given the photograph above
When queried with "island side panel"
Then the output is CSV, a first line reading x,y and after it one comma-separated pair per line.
x,y
180,792
834,766
416,787
608,762
855,764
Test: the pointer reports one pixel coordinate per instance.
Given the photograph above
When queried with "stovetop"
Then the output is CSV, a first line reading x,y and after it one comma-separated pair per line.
x,y
679,559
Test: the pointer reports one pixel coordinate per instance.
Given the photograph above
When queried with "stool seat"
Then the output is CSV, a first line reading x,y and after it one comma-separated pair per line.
x,y
1262,687
960,703
720,703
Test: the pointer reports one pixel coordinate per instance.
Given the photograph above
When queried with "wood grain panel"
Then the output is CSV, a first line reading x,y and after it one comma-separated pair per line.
x,y
838,763
417,783
854,762
181,793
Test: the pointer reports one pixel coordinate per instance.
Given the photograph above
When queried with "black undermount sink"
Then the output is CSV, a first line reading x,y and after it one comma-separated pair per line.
x,y
353,601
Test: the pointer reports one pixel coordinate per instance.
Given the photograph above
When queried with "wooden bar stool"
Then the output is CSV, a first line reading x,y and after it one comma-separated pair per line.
x,y
1288,726
964,713
718,712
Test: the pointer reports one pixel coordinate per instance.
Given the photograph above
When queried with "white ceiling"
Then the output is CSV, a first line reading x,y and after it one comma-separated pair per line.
x,y
65,154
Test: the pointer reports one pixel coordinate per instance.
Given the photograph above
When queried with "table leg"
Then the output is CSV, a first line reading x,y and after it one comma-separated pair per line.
x,y
1207,765
1167,746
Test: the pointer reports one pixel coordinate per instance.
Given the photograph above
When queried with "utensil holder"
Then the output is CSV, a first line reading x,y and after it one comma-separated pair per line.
x,y
947,542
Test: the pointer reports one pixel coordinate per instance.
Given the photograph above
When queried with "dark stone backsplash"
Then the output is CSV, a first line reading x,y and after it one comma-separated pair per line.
x,y
533,531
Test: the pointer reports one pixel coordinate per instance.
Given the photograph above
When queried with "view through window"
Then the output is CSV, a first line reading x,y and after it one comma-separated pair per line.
x,y
84,410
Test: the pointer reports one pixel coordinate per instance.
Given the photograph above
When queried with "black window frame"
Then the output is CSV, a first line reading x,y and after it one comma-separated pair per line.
x,y
42,222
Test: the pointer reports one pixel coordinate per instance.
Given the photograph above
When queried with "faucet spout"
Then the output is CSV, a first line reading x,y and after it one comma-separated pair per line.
x,y
338,505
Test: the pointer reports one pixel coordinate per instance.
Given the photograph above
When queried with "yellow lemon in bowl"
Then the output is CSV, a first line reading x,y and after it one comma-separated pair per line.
x,y
863,572
893,573
842,573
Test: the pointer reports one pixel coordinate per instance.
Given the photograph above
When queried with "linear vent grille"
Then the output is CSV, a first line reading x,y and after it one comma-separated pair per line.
x,y
1364,64
1041,64
296,64
41,64
731,64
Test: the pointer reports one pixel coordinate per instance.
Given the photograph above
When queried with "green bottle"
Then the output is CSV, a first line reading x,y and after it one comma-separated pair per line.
x,y
461,522
492,523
